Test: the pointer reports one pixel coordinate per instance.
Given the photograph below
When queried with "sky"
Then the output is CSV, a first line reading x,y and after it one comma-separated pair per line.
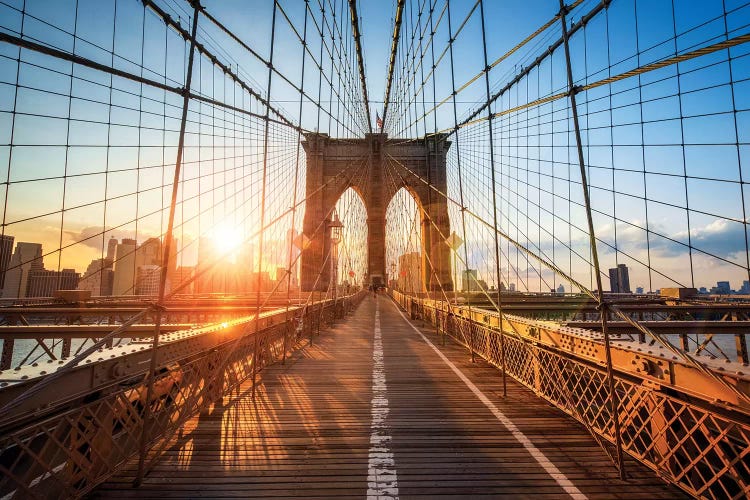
x,y
88,157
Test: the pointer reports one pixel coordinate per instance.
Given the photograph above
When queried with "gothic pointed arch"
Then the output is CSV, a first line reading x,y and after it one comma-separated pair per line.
x,y
376,167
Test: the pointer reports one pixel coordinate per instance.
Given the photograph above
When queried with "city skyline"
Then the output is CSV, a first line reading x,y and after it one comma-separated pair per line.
x,y
130,268
275,248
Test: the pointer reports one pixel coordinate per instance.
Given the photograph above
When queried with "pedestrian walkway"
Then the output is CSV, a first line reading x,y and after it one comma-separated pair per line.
x,y
377,407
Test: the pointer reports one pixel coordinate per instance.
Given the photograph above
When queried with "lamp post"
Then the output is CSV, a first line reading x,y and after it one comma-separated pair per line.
x,y
335,226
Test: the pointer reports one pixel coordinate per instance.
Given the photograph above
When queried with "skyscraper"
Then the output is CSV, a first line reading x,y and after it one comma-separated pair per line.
x,y
6,250
469,281
98,277
619,279
124,279
147,280
26,258
111,249
129,258
723,287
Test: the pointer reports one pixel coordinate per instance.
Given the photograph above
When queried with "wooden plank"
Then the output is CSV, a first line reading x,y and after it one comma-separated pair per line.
x,y
307,433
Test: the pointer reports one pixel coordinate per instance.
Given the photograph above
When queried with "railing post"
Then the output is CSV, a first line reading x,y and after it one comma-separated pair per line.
x,y
684,345
285,333
471,340
66,345
311,329
6,359
502,356
440,326
741,343
167,248
255,363
319,318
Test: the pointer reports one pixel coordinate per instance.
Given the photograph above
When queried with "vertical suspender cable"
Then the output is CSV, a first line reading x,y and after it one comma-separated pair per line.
x,y
434,274
494,198
613,399
264,184
296,180
460,179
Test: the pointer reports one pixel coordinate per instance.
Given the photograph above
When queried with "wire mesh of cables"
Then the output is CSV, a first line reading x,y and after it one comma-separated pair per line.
x,y
141,161
660,102
603,154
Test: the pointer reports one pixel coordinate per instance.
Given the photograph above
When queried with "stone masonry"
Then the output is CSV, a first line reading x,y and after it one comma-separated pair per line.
x,y
333,165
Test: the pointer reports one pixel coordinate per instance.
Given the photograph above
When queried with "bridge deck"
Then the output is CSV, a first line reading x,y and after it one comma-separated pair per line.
x,y
320,427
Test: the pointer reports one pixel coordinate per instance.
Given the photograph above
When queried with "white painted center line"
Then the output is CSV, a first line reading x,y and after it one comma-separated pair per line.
x,y
382,482
541,459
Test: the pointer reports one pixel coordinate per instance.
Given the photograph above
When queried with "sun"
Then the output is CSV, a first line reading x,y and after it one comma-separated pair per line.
x,y
227,238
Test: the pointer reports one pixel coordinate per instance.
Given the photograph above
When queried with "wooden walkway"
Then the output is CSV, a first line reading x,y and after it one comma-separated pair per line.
x,y
329,424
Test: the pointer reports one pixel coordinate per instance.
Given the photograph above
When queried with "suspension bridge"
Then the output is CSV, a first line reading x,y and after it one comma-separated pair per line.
x,y
227,270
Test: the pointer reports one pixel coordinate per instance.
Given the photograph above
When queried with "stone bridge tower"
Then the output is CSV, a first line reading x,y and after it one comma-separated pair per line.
x,y
370,166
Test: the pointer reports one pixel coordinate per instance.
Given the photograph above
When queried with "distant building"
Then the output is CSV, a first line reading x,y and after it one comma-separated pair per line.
x,y
98,278
703,289
561,289
182,275
722,288
130,257
125,268
681,292
282,277
469,281
111,249
619,279
148,279
511,287
43,283
745,288
205,279
6,251
639,290
26,258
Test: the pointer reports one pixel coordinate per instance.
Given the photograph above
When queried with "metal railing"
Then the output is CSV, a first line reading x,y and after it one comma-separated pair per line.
x,y
701,447
51,332
66,447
